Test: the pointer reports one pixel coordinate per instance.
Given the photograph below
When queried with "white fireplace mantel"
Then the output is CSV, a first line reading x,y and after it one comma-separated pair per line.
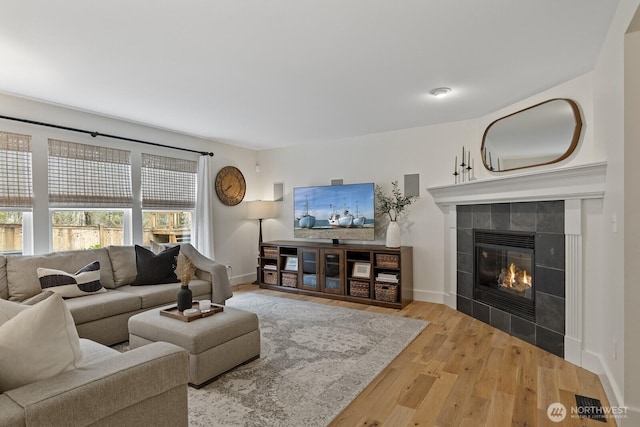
x,y
571,184
576,182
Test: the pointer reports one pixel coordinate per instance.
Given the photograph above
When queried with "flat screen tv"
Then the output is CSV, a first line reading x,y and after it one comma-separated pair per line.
x,y
334,212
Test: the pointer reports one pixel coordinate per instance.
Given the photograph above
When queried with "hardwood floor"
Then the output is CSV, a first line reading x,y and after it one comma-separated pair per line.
x,y
462,372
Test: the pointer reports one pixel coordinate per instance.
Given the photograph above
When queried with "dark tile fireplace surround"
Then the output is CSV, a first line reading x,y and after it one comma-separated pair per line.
x,y
546,220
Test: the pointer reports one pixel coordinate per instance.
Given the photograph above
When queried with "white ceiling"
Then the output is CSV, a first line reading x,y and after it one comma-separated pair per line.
x,y
275,73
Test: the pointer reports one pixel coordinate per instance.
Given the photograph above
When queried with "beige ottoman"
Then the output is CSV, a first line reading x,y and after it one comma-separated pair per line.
x,y
215,343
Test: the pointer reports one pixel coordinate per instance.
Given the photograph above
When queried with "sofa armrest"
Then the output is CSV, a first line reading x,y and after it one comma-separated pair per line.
x,y
97,391
208,269
11,414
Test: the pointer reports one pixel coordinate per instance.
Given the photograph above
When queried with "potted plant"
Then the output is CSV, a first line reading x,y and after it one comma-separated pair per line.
x,y
393,206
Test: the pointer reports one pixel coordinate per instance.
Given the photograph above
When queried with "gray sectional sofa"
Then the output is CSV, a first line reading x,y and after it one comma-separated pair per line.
x,y
144,386
103,317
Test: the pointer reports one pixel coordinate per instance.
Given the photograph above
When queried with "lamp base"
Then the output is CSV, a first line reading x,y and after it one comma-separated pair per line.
x,y
257,281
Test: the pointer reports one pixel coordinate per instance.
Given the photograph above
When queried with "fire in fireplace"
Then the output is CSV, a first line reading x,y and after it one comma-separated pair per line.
x,y
515,280
503,271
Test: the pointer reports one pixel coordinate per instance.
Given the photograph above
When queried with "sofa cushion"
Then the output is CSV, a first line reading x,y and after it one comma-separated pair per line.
x,y
85,281
155,295
94,352
155,268
37,298
99,306
22,269
38,343
123,262
9,309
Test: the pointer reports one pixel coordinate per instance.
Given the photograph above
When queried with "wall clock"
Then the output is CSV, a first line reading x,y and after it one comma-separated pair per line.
x,y
230,185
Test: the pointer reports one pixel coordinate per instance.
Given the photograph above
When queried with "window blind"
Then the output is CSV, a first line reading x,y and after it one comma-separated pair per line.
x,y
168,183
88,176
16,186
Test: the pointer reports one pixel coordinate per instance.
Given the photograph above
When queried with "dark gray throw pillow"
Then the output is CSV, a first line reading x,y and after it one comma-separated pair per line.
x,y
155,269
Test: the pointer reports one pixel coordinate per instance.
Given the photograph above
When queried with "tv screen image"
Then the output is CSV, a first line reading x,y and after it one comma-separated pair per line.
x,y
334,212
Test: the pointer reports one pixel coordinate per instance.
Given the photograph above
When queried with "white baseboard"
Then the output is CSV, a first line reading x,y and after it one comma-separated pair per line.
x,y
593,362
242,279
632,418
429,296
573,350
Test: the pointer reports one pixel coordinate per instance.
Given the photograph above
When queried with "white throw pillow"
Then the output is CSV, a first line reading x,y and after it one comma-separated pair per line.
x,y
38,343
9,309
156,247
85,281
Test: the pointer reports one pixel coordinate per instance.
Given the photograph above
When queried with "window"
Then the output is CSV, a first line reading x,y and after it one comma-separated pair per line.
x,y
90,193
166,227
86,229
168,198
16,192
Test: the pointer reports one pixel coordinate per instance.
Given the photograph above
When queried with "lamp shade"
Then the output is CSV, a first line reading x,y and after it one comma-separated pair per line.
x,y
261,209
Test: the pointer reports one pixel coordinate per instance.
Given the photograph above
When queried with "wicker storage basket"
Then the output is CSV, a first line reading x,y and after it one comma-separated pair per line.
x,y
290,280
270,252
387,261
270,277
387,292
359,289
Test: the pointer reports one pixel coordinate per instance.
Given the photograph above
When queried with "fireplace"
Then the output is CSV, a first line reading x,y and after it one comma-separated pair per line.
x,y
511,269
550,202
504,266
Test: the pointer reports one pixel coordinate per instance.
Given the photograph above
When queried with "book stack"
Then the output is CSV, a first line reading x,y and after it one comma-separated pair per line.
x,y
387,277
270,267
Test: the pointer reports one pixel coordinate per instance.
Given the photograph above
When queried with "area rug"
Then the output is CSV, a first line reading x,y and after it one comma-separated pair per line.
x,y
315,359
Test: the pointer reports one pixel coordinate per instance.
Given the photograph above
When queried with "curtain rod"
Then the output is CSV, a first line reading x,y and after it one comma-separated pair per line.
x,y
95,134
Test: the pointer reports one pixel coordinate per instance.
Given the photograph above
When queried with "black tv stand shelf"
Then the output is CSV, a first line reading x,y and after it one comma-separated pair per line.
x,y
366,274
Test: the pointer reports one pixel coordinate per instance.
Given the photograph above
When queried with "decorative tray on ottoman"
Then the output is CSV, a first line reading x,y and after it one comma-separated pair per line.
x,y
174,313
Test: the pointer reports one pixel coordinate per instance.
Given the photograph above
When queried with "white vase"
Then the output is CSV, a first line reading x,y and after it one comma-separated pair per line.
x,y
393,235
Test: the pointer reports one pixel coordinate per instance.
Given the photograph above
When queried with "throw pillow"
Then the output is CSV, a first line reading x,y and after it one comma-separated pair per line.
x,y
156,247
156,269
9,309
38,343
85,281
123,263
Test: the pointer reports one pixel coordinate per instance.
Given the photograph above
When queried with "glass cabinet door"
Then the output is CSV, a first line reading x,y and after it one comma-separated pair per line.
x,y
310,270
333,271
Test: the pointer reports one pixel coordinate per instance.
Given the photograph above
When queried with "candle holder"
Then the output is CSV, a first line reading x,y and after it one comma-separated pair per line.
x,y
463,172
470,171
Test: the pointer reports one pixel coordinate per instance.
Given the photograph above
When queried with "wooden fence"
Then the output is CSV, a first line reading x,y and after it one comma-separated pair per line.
x,y
69,237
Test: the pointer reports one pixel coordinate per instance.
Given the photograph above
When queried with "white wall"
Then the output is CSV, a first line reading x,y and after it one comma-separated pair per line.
x,y
608,302
235,236
632,227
